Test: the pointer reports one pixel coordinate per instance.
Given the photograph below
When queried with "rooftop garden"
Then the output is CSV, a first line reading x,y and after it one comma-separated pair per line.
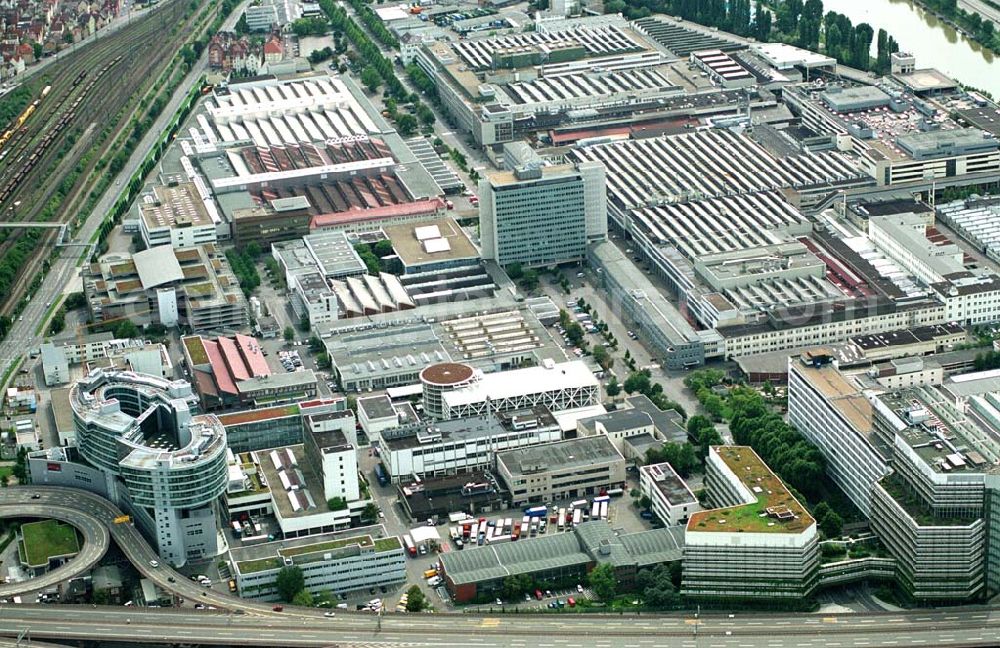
x,y
387,544
786,515
363,541
249,416
196,350
47,539
921,513
262,564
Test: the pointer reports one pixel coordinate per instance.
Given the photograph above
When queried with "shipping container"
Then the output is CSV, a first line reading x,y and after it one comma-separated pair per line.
x,y
410,547
577,517
562,519
537,511
604,510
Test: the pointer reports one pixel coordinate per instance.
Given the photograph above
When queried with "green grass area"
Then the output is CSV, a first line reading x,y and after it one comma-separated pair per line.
x,y
254,566
364,541
754,517
6,472
387,544
47,539
196,349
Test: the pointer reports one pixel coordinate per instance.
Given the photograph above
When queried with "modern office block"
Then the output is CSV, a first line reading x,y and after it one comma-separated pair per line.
x,y
542,215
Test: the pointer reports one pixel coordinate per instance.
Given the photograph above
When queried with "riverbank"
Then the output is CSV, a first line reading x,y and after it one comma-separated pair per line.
x,y
964,23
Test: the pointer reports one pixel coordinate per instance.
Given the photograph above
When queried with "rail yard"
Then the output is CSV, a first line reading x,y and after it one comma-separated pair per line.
x,y
77,98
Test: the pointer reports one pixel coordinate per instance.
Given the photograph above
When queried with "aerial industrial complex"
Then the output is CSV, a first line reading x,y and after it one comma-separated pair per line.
x,y
495,307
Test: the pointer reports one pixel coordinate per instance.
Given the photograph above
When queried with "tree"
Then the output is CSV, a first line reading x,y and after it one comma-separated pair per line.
x,y
657,586
290,582
369,513
101,597
515,586
406,124
126,329
303,598
323,361
602,357
575,333
515,271
415,599
529,280
337,503
370,78
603,582
637,381
289,334
425,115
75,300
36,49
242,27
383,248
613,388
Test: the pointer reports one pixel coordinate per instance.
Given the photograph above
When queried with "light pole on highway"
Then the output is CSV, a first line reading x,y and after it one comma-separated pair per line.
x,y
24,638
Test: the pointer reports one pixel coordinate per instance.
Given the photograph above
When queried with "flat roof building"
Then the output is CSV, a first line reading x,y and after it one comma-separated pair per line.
x,y
431,245
181,216
562,470
556,386
193,286
479,572
366,358
542,215
338,563
759,543
434,448
672,501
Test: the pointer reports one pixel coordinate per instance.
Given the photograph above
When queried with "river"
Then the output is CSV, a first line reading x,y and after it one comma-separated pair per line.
x,y
934,43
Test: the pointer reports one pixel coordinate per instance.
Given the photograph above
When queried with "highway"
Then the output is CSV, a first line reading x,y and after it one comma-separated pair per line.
x,y
96,540
965,627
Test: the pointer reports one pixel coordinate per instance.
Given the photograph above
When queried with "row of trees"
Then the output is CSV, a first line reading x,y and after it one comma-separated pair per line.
x,y
374,63
730,15
980,29
799,463
244,265
799,22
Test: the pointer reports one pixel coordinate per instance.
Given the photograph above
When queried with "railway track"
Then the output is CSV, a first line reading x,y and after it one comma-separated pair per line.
x,y
86,90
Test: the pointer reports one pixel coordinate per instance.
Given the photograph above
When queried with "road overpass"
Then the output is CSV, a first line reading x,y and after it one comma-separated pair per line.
x,y
95,543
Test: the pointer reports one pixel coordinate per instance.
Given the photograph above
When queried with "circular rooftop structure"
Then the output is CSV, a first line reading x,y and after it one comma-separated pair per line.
x,y
438,379
447,374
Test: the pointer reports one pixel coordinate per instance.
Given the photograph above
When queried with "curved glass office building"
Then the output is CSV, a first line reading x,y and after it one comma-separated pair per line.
x,y
164,462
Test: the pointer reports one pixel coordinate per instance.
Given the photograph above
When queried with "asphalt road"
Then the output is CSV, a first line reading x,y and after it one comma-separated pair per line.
x,y
982,8
95,542
956,627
